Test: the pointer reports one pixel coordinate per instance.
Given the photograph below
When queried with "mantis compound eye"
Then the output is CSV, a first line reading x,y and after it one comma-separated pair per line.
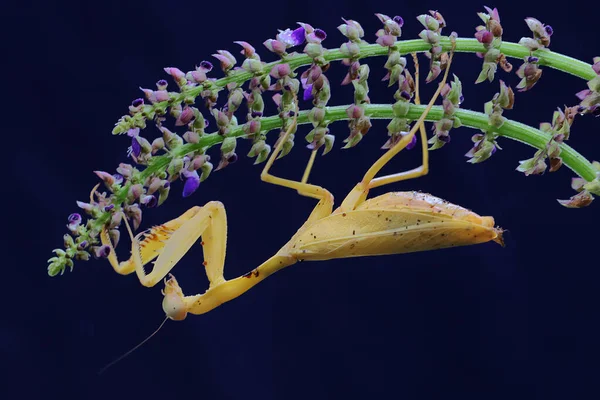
x,y
174,306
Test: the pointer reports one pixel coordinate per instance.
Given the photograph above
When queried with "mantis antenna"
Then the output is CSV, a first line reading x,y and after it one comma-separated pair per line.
x,y
135,348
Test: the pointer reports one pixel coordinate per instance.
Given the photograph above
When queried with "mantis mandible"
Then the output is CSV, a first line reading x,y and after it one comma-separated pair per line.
x,y
393,223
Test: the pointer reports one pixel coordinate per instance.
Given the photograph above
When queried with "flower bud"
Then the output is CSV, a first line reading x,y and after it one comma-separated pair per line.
x,y
429,22
163,192
89,208
247,50
107,178
115,220
206,169
125,169
582,199
155,184
177,75
228,145
313,50
275,46
157,144
256,148
252,127
226,58
134,212
329,141
263,155
400,108
355,111
135,191
352,30
175,166
186,116
484,36
280,70
252,65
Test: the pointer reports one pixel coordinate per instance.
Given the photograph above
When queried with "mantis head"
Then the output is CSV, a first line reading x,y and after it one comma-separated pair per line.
x,y
173,303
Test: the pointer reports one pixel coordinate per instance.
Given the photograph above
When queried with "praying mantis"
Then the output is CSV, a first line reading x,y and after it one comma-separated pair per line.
x,y
392,223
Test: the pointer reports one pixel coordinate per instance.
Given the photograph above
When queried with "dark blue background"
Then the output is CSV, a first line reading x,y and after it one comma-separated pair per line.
x,y
480,322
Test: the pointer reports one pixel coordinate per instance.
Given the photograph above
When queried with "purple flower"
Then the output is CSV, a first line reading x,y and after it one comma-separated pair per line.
x,y
118,178
102,251
74,221
149,200
232,158
206,65
136,148
320,34
307,95
133,132
316,36
444,138
192,181
292,38
162,84
74,218
413,141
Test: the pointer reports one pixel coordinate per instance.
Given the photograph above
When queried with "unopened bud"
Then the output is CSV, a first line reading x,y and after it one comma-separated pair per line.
x,y
157,144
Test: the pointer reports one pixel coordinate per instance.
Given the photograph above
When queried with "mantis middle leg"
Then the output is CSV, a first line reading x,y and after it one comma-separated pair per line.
x,y
325,204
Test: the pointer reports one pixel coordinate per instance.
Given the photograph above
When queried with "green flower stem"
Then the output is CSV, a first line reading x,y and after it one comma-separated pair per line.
x,y
514,130
463,45
472,119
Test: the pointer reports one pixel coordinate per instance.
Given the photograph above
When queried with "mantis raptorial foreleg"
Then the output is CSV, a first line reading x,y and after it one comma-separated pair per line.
x,y
170,241
210,222
150,243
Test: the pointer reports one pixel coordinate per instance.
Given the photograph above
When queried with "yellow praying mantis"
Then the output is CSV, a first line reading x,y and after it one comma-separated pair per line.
x,y
392,223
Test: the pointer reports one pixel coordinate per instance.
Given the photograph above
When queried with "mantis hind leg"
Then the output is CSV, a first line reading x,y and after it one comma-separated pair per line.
x,y
415,172
359,194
